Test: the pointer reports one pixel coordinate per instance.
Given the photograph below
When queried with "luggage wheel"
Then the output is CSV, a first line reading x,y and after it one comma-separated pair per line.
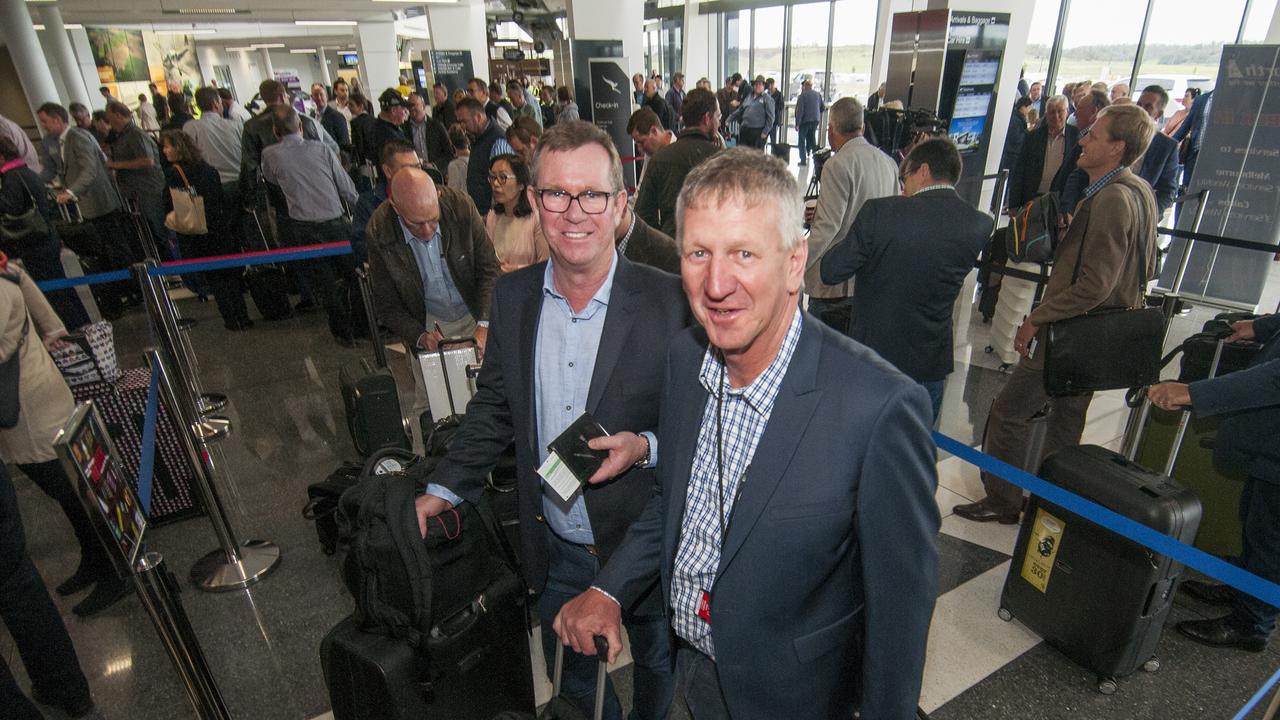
x,y
1151,665
1004,614
1107,685
988,349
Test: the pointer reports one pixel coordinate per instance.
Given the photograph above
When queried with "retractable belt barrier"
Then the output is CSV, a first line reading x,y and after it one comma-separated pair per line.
x,y
219,262
1199,560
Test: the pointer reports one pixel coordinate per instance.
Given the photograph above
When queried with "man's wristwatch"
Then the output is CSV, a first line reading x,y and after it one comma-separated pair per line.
x,y
648,453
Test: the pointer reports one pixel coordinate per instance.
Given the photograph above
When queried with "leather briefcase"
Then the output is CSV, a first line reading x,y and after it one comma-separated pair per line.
x,y
1103,350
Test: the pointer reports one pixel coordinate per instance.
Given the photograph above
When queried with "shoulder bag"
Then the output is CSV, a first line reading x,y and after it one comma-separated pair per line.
x,y
1107,348
187,216
24,224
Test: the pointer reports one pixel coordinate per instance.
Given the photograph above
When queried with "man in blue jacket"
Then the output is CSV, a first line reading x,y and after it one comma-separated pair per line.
x,y
792,525
1250,401
809,109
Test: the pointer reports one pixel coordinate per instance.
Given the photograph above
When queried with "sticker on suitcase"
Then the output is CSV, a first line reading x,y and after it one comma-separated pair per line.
x,y
1042,548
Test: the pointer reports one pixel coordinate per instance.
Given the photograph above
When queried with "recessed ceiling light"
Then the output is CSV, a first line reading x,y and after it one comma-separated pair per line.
x,y
324,22
202,31
239,49
303,51
260,46
209,11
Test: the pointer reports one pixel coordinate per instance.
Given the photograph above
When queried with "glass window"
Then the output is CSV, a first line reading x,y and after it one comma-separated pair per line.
x,y
1184,45
737,44
1255,28
808,56
1101,41
852,45
1044,23
767,48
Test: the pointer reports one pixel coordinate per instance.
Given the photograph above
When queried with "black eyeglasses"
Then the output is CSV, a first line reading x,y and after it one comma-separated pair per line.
x,y
592,202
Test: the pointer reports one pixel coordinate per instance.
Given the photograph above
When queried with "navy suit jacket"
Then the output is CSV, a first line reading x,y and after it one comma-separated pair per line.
x,y
910,256
1250,399
1193,126
828,572
647,308
1160,169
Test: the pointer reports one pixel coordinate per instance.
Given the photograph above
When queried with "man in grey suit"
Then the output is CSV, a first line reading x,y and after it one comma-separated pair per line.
x,y
86,183
856,172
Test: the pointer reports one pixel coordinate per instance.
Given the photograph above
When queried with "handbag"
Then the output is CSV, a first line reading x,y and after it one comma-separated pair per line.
x,y
187,216
24,224
88,356
1105,349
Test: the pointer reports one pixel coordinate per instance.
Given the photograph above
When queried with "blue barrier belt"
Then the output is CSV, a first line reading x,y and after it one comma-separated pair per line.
x,y
194,266
1200,560
1257,697
146,463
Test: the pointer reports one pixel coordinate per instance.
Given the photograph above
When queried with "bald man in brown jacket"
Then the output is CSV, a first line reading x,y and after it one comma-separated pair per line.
x,y
1112,236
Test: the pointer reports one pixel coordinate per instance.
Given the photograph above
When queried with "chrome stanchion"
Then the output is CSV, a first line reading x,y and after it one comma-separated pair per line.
x,y
1000,193
164,327
234,564
1169,307
159,593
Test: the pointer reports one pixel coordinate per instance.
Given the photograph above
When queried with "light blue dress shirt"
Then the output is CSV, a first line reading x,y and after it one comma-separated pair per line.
x,y
443,301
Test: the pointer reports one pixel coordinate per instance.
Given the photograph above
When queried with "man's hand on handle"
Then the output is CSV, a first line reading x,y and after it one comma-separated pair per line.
x,y
582,618
428,506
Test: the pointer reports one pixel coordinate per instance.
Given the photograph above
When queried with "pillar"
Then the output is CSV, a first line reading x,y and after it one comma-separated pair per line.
x,y
699,47
88,69
379,60
264,58
60,46
1273,31
28,58
461,27
325,78
620,20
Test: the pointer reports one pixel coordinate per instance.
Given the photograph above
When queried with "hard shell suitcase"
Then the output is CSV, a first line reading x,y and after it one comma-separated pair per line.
x,y
1100,599
372,407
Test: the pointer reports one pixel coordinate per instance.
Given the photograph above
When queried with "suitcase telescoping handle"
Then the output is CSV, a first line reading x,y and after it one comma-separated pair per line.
x,y
366,299
602,675
1184,417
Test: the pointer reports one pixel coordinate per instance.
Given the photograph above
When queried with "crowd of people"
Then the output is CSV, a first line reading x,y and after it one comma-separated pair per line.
x,y
743,429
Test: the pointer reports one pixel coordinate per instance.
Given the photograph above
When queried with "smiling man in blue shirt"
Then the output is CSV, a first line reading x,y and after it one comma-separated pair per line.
x,y
583,332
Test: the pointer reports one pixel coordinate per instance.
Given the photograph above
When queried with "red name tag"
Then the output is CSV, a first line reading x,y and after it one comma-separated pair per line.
x,y
704,608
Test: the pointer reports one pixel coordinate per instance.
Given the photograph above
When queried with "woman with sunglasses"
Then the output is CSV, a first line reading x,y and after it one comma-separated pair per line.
x,y
511,224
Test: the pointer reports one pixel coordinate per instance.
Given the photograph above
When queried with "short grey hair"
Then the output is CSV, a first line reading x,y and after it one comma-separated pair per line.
x,y
750,177
846,116
566,136
1057,100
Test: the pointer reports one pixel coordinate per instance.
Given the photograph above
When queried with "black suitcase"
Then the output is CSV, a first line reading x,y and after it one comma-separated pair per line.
x,y
372,407
1100,599
322,504
375,677
782,151
267,283
1199,349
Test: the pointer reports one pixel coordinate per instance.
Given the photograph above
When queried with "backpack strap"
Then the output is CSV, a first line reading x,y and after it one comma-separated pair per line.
x,y
402,521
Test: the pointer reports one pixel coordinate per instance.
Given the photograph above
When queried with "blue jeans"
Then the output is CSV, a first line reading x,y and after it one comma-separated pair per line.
x,y
1260,520
935,388
571,570
808,138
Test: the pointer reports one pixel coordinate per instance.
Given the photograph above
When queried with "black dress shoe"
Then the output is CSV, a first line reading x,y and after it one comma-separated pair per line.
x,y
981,512
73,707
1220,633
80,580
1208,592
106,593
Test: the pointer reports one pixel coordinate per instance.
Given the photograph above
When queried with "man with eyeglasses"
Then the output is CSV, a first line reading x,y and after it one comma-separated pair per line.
x,y
580,333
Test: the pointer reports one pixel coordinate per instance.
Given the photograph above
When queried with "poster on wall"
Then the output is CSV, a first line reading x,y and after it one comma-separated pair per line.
x,y
172,60
120,55
452,67
1236,165
611,107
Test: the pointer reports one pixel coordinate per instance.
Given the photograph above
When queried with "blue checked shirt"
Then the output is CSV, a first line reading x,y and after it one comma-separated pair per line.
x,y
744,417
1100,183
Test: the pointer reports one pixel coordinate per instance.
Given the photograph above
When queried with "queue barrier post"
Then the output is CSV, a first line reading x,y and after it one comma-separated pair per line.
x,y
159,593
1169,303
205,402
164,328
1000,194
233,565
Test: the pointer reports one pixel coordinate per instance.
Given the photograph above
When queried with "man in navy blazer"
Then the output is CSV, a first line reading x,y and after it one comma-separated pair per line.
x,y
793,523
927,234
583,332
1249,403
1193,126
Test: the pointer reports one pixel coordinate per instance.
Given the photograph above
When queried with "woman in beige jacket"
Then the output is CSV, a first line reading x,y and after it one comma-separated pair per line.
x,y
29,327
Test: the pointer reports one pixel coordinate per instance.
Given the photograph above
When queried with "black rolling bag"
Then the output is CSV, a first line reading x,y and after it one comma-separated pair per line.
x,y
372,407
1100,599
267,283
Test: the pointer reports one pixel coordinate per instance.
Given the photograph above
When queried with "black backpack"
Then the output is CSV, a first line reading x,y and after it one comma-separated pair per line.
x,y
429,591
